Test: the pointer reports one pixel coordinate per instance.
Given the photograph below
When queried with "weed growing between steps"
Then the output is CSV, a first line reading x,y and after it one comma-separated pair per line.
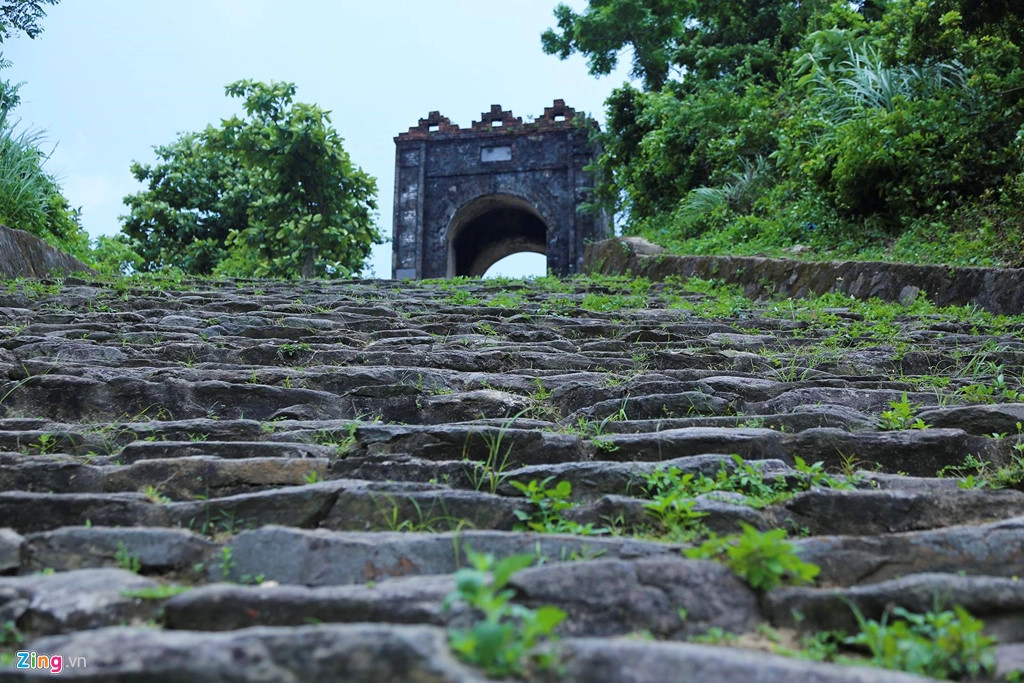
x,y
978,474
549,502
945,644
942,644
507,639
161,592
764,559
673,493
901,416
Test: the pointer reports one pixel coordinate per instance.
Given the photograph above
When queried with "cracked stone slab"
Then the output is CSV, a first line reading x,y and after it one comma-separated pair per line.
x,y
917,452
361,653
601,660
997,601
43,604
750,443
31,512
227,607
867,511
616,597
323,558
157,550
995,549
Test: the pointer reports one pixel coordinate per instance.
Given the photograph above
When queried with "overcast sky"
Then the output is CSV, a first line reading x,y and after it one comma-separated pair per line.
x,y
109,79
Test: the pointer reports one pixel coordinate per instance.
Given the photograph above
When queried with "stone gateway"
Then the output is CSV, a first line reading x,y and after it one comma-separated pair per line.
x,y
466,198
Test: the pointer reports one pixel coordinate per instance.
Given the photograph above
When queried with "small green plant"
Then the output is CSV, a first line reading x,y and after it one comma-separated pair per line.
x,y
490,473
330,438
562,307
394,517
507,639
901,416
126,560
811,476
744,478
313,477
549,502
675,513
161,592
714,636
764,559
10,634
153,494
604,444
612,302
540,390
945,644
998,389
47,444
289,350
227,562
463,297
504,299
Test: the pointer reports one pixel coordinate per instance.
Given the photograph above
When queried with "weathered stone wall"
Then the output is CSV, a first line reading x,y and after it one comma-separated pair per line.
x,y
999,290
464,198
25,255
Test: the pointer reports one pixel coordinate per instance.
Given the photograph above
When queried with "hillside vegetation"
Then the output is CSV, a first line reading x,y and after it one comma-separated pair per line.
x,y
881,130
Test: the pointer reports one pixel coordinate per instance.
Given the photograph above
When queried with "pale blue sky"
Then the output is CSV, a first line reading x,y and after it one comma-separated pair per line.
x,y
109,79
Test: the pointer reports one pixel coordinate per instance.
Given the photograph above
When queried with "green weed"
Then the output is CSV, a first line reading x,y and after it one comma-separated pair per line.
x,y
947,644
901,416
762,559
509,639
126,560
161,592
549,503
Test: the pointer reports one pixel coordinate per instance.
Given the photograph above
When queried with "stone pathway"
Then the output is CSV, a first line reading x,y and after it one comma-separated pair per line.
x,y
261,481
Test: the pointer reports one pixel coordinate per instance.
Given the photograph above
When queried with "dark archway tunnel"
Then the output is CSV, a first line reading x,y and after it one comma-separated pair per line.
x,y
490,228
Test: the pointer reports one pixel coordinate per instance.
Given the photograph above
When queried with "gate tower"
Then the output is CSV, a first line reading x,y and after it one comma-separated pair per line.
x,y
466,198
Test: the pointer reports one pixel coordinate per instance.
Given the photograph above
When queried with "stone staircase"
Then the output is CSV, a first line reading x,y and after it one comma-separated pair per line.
x,y
265,481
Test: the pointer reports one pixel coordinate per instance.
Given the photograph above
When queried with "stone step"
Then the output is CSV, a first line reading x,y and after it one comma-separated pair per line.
x,y
373,653
998,601
344,444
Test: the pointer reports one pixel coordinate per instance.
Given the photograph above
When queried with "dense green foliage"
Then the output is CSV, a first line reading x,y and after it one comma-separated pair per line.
x,y
271,194
890,129
30,196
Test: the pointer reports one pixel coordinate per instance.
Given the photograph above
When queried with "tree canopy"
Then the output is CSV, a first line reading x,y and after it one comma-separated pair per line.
x,y
271,193
889,128
22,16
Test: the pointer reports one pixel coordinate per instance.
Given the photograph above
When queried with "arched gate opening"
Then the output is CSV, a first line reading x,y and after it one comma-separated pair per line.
x,y
488,229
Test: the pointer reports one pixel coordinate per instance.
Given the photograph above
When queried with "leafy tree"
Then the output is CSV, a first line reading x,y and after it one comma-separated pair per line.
x,y
650,27
272,193
702,39
22,15
197,194
314,214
